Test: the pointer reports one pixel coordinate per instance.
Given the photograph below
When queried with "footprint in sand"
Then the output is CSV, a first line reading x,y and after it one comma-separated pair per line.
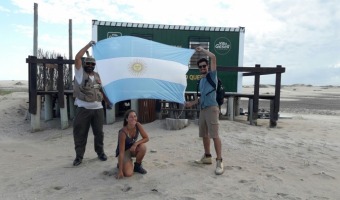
x,y
126,188
233,167
273,177
159,164
58,187
110,173
324,175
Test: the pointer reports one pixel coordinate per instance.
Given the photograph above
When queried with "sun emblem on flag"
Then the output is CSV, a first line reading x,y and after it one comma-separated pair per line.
x,y
137,67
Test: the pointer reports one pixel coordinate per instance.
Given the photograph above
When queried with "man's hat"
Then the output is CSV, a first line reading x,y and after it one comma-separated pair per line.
x,y
89,59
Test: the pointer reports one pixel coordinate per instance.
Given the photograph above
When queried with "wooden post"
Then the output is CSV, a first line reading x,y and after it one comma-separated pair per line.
x,y
63,116
61,96
49,87
256,96
271,114
60,83
230,111
250,111
48,108
35,118
276,109
34,99
32,84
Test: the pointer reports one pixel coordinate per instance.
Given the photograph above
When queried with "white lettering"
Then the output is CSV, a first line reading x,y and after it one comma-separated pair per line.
x,y
222,45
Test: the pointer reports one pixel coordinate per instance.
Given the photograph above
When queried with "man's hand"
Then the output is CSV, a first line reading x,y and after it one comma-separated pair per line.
x,y
188,104
120,174
199,48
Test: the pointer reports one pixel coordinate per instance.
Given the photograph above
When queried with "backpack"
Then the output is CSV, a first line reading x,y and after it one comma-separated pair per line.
x,y
219,90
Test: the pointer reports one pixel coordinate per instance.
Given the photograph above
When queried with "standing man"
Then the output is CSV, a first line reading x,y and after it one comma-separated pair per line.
x,y
209,111
89,96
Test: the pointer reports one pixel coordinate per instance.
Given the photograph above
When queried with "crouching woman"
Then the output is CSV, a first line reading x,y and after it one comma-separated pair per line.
x,y
129,146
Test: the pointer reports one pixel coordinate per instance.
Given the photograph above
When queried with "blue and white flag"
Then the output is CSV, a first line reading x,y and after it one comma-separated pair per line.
x,y
136,68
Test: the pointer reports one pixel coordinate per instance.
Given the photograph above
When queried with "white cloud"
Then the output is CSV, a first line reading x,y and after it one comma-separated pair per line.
x,y
302,36
24,30
5,10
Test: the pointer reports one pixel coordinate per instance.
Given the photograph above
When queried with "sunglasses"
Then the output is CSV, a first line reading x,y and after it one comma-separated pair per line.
x,y
200,66
90,63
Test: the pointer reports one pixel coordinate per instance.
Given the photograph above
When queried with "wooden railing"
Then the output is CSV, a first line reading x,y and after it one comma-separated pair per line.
x,y
253,99
173,109
35,93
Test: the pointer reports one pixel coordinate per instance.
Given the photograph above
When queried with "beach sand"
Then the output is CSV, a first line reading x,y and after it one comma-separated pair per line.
x,y
299,159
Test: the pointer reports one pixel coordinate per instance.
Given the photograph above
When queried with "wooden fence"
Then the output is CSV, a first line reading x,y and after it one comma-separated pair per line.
x,y
147,108
35,93
233,97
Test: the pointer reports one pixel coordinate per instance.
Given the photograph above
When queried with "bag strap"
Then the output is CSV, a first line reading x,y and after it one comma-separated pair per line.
x,y
211,82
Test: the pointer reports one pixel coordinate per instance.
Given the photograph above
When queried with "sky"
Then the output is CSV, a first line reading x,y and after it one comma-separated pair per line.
x,y
303,36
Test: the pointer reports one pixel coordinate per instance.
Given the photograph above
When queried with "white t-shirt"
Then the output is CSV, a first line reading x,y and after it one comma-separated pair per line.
x,y
78,74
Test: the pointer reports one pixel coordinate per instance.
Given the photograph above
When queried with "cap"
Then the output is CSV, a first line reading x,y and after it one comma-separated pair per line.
x,y
89,59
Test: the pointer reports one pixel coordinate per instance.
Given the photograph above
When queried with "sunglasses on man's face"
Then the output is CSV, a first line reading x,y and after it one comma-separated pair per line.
x,y
202,66
90,63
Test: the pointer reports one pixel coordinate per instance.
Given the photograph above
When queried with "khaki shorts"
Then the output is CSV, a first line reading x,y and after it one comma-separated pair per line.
x,y
209,122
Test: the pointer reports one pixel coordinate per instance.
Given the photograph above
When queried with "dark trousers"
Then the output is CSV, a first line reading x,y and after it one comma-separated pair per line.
x,y
81,125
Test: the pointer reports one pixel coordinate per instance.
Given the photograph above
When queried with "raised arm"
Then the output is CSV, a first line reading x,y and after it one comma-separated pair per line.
x,y
80,54
211,56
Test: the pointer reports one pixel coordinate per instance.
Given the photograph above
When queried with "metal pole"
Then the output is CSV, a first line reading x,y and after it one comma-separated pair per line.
x,y
35,111
35,34
70,53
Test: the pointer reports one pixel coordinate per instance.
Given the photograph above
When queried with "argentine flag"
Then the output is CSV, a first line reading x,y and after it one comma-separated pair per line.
x,y
136,68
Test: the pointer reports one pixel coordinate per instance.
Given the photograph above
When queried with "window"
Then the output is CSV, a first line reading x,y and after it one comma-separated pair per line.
x,y
195,42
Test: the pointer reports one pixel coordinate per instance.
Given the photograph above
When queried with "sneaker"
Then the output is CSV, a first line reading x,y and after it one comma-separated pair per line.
x,y
219,167
102,157
204,160
77,161
139,168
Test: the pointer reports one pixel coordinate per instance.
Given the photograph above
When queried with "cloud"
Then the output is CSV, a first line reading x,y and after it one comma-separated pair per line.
x,y
5,10
302,36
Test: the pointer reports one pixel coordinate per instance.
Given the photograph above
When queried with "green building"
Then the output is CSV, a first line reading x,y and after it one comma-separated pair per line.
x,y
225,42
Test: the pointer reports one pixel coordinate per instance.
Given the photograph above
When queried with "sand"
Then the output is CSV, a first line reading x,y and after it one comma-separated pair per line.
x,y
299,159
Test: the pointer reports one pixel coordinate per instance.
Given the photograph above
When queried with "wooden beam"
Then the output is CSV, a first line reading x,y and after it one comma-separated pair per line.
x,y
276,109
60,83
267,70
256,95
49,61
32,86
